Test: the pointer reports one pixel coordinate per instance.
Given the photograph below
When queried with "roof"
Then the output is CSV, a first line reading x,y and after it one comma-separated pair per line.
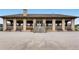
x,y
39,15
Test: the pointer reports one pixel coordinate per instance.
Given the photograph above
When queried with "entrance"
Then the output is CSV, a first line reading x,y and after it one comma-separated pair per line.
x,y
39,23
39,26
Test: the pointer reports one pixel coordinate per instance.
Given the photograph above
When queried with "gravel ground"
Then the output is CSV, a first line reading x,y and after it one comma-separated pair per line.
x,y
39,41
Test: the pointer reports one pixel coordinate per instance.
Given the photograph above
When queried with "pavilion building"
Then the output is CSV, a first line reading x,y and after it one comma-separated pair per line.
x,y
38,22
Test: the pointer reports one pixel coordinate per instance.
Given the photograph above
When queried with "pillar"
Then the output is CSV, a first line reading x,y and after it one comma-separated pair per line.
x,y
14,24
44,22
24,24
34,22
73,25
63,24
4,24
53,24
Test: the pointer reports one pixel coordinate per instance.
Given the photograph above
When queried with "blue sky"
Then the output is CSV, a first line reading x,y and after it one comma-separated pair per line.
x,y
74,12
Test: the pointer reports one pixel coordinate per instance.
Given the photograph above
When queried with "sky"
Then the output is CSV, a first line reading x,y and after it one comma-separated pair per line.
x,y
73,12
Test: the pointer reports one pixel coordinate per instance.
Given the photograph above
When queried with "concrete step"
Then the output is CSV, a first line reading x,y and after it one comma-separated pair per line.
x,y
40,29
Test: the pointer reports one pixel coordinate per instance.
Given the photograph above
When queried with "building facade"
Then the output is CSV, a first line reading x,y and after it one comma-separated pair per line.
x,y
38,22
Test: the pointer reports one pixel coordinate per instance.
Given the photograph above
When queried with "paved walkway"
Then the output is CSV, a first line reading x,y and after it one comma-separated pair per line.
x,y
45,41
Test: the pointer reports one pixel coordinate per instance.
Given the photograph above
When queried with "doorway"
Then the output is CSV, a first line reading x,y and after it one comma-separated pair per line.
x,y
39,26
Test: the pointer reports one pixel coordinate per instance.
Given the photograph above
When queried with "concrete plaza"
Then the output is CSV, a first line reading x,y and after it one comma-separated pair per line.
x,y
39,41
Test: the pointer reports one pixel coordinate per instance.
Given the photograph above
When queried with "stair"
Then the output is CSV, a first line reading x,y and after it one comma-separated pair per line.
x,y
39,29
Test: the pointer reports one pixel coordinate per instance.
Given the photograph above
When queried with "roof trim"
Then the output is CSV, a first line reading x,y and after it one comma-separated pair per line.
x,y
39,15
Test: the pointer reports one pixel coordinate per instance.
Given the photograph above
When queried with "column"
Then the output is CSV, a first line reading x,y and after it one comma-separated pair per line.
x,y
34,22
44,22
24,24
14,24
63,24
4,24
73,24
53,24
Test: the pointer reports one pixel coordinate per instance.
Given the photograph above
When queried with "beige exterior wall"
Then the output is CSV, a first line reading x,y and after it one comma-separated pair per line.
x,y
24,24
14,24
4,24
44,22
63,24
53,24
73,24
34,22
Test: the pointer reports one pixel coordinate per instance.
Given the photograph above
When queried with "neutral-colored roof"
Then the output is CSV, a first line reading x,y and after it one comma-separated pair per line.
x,y
39,15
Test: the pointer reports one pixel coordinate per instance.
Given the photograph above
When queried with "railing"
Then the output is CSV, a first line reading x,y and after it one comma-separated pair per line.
x,y
68,28
19,28
48,28
59,28
9,28
38,29
29,27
